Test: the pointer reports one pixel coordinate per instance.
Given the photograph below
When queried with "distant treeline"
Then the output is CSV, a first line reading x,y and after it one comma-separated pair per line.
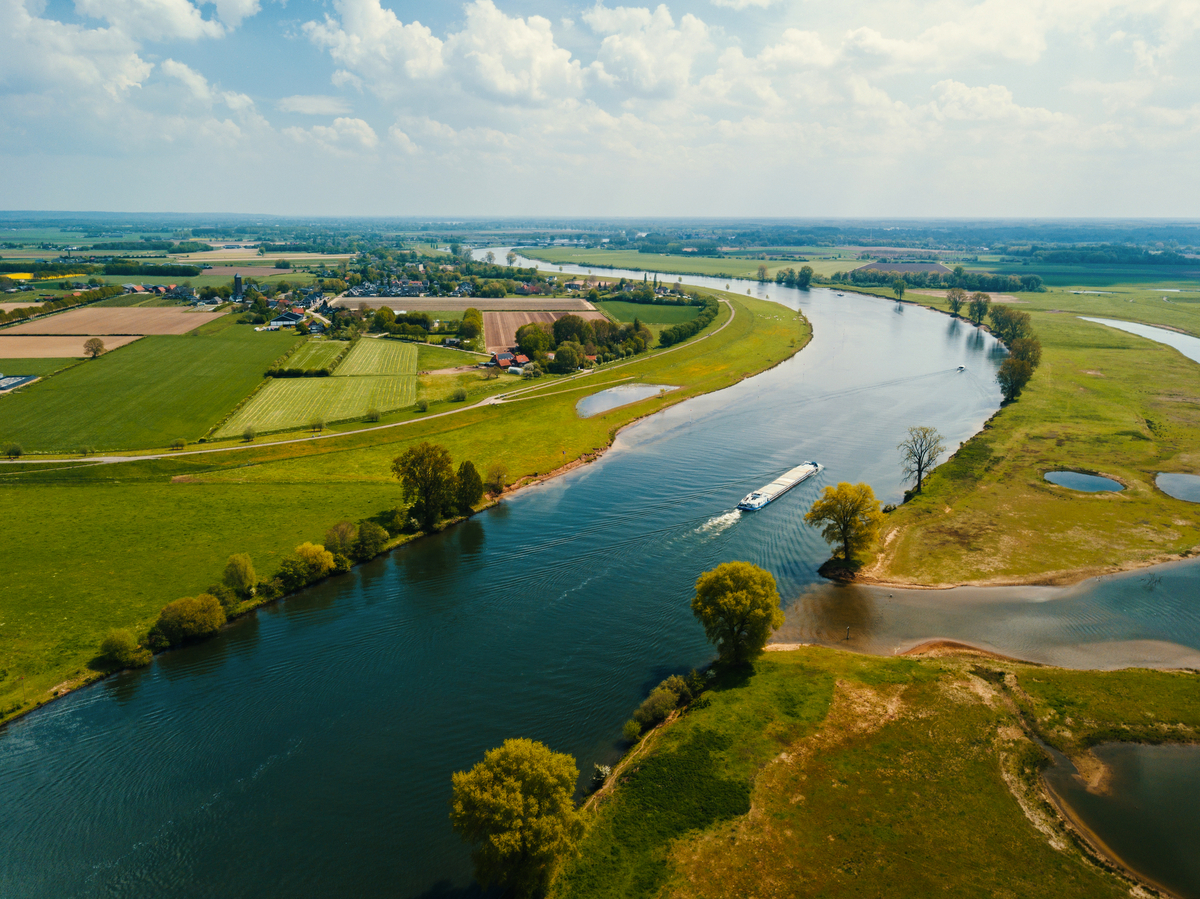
x,y
165,271
871,277
89,296
186,246
127,267
1108,254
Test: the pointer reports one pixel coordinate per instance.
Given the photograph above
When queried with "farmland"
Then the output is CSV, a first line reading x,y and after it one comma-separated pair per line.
x,y
296,402
433,358
459,304
141,396
721,267
117,320
315,354
380,357
658,313
54,347
500,328
39,367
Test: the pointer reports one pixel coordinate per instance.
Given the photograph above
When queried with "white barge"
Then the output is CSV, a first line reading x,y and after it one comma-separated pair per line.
x,y
778,487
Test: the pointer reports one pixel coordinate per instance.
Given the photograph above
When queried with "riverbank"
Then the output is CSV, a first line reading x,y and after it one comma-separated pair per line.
x,y
1102,401
856,775
153,530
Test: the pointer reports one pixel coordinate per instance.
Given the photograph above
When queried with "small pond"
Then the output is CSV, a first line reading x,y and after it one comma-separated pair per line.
x,y
1180,486
1088,483
1149,815
618,396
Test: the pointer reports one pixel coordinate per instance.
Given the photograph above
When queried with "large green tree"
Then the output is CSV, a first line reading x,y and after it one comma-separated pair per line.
x,y
1013,375
738,604
516,809
469,489
955,297
427,474
848,515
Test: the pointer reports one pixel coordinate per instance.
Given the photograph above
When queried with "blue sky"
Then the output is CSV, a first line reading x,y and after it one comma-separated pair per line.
x,y
504,107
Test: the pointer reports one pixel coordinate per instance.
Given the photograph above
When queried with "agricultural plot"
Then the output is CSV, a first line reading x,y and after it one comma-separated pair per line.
x,y
55,347
100,321
500,328
379,357
660,314
146,395
315,354
296,402
458,304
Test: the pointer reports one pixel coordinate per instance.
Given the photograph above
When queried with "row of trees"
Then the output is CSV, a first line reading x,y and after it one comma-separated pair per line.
x,y
789,277
684,330
572,339
435,490
974,281
64,302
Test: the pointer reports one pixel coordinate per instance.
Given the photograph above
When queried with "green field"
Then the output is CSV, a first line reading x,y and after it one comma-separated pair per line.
x,y
380,357
1081,275
727,267
659,314
315,354
432,358
39,367
1102,401
831,774
143,395
288,403
249,501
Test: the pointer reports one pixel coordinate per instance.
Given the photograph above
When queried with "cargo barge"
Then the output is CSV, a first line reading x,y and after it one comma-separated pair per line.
x,y
778,487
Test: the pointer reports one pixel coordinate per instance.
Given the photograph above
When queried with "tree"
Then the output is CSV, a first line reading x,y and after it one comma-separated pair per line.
x,y
567,358
497,478
532,339
1028,349
1013,375
571,327
978,307
738,605
898,287
14,451
849,515
470,487
762,272
93,346
511,258
190,618
919,452
490,257
1010,325
239,574
427,474
804,277
341,538
516,809
123,651
371,540
956,296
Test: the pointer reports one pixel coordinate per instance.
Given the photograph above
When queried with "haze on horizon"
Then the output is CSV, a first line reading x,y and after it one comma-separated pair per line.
x,y
544,107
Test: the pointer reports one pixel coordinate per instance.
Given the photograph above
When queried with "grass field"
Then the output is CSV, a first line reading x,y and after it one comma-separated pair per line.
x,y
1102,401
57,598
143,395
651,314
825,773
315,354
727,267
1064,275
40,367
432,358
288,403
380,357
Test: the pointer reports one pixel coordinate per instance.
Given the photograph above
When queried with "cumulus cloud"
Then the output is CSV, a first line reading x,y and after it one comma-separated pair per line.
x,y
313,105
344,135
373,43
157,20
644,50
742,4
196,83
994,103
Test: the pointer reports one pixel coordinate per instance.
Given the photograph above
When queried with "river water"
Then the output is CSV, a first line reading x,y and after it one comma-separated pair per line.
x,y
308,749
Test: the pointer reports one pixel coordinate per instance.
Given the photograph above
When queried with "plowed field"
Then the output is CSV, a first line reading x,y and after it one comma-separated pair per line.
x,y
102,320
500,328
54,347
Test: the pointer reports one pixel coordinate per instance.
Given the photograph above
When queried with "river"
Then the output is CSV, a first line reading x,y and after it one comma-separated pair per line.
x,y
308,749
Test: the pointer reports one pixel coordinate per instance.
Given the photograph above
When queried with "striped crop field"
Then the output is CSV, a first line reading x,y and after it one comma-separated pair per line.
x,y
380,357
288,403
315,354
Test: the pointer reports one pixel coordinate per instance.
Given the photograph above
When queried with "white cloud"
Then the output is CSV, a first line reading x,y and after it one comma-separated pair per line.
x,y
190,78
994,103
344,135
402,140
644,50
742,4
152,19
314,105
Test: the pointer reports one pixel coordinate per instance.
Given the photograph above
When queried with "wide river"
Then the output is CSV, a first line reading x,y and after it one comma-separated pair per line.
x,y
308,749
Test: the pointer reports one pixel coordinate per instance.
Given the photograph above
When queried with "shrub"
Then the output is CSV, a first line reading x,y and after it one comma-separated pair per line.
x,y
422,405
341,538
631,731
122,650
271,589
190,618
459,395
656,707
371,540
600,774
531,371
228,599
14,451
249,434
497,478
310,563
239,574
373,415
341,564
178,443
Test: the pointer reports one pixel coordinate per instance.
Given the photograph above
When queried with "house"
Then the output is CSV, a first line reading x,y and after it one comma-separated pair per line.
x,y
287,320
316,327
504,360
520,360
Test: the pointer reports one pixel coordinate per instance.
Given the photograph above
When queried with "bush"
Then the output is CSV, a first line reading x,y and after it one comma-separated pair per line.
x,y
228,599
122,650
14,451
239,574
497,478
341,538
249,434
373,415
178,443
190,618
341,564
310,563
459,395
530,371
656,707
631,731
272,589
422,405
371,540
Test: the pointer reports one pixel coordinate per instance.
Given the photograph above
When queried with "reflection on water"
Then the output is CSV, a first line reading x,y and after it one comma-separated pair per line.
x,y
1085,483
1149,815
1180,486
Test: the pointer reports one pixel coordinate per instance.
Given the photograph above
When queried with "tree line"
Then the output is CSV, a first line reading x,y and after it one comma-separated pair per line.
x,y
64,302
572,339
960,278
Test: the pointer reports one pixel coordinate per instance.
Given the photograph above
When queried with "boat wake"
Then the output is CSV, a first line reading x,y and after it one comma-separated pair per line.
x,y
719,524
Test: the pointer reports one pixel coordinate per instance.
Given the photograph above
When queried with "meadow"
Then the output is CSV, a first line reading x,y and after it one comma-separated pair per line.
x,y
380,357
315,354
826,773
433,358
39,367
1102,401
70,576
655,314
1087,275
726,267
144,395
288,403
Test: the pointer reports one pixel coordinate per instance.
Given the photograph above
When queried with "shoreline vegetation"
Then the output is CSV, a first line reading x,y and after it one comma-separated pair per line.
x,y
268,515
855,774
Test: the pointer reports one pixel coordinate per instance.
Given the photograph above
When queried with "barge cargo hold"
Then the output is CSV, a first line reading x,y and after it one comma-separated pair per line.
x,y
778,487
